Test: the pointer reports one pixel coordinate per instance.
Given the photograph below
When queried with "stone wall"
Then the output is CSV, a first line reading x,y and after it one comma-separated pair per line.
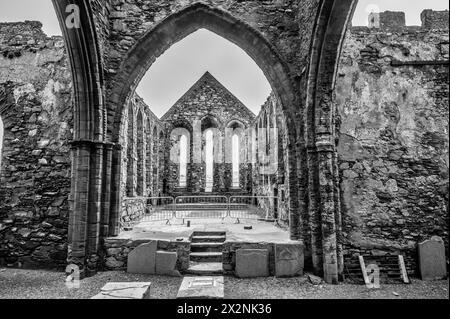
x,y
143,167
229,254
391,92
270,174
392,95
36,110
116,252
208,104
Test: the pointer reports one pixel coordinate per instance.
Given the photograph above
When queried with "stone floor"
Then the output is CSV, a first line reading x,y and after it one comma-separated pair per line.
x,y
37,284
261,231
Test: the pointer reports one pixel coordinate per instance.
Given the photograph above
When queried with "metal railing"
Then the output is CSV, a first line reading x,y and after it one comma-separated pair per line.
x,y
201,207
159,208
253,207
148,209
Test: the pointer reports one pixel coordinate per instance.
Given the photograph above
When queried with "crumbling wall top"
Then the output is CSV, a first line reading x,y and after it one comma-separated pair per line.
x,y
21,32
389,20
434,19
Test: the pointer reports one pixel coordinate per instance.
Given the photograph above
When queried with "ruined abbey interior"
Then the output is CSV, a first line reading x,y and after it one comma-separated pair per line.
x,y
352,142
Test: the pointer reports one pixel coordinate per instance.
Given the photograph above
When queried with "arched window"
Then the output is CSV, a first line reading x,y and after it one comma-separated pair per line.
x,y
209,160
148,161
155,162
130,153
140,176
236,163
161,164
183,160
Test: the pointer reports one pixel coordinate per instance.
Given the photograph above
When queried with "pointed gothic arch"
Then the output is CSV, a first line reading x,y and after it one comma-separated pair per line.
x,y
186,21
306,98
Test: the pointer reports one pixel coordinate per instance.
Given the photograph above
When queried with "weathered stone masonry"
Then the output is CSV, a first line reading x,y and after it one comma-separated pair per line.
x,y
298,48
392,95
37,111
208,104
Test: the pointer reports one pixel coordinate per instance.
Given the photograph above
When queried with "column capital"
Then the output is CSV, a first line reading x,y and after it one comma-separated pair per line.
x,y
325,142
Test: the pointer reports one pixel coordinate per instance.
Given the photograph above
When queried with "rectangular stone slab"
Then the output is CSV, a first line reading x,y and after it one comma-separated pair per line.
x,y
202,287
166,262
142,259
289,260
432,262
125,290
252,263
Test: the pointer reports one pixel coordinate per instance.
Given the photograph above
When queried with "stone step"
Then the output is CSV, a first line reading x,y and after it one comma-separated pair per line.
x,y
208,239
209,233
206,256
207,247
205,268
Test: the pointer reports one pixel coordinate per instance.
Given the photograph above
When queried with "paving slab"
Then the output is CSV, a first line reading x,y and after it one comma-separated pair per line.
x,y
125,290
201,287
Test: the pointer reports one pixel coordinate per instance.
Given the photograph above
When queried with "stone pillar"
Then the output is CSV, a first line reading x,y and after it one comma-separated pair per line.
x,y
325,150
313,211
228,156
338,216
79,205
197,141
106,192
95,198
116,201
294,213
302,173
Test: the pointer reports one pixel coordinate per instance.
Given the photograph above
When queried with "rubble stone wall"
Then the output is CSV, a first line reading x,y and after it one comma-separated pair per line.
x,y
392,95
36,110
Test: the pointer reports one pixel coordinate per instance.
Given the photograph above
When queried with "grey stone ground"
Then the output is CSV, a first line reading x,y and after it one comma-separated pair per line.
x,y
17,283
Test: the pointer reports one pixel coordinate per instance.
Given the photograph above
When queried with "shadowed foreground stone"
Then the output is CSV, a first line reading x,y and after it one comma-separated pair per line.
x,y
125,290
288,260
166,263
201,288
252,263
142,259
432,259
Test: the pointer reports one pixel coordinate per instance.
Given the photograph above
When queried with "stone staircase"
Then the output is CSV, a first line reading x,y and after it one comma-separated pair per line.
x,y
206,253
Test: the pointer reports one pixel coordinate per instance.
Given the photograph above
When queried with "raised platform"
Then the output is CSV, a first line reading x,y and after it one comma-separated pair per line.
x,y
261,231
210,246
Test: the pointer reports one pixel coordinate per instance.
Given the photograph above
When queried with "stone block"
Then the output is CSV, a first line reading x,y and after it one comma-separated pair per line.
x,y
124,290
142,259
252,263
432,262
201,288
289,260
166,263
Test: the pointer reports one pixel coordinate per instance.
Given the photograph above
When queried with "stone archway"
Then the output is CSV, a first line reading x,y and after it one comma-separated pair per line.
x,y
182,23
303,84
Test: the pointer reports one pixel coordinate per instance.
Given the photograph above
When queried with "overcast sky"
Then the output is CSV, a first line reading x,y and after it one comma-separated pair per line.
x,y
185,62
